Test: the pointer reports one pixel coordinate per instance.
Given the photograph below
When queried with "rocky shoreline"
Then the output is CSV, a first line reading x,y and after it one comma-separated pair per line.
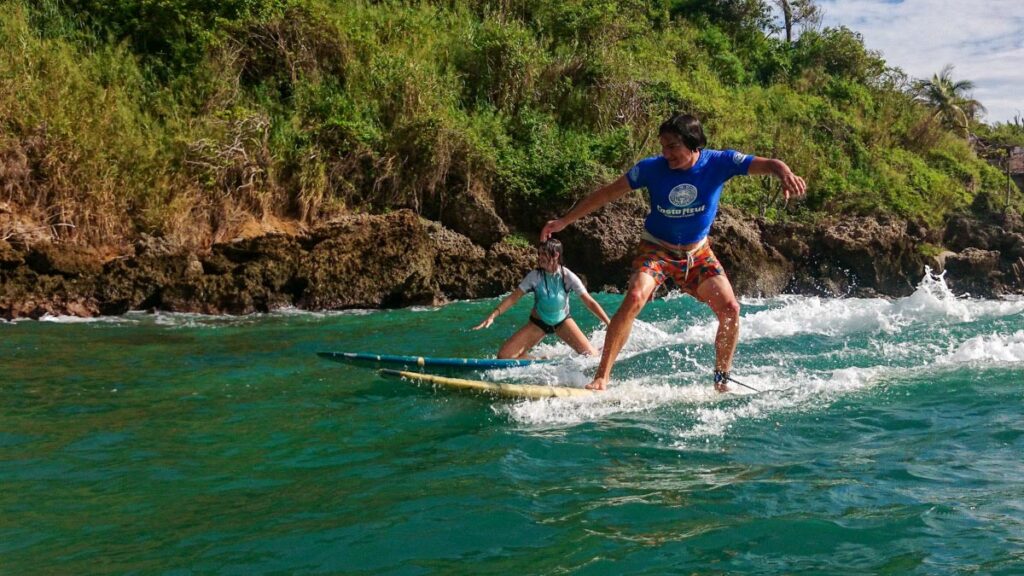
x,y
400,259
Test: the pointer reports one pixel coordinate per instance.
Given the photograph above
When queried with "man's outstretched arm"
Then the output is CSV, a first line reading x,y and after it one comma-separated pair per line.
x,y
792,185
596,199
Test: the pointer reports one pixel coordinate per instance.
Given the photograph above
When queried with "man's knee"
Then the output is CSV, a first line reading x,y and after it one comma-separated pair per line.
x,y
633,302
728,311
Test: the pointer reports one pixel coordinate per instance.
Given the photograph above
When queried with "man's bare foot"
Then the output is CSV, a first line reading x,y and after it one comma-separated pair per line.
x,y
721,387
597,384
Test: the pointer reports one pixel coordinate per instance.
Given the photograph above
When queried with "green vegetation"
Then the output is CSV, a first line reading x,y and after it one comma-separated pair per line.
x,y
1004,134
929,250
518,240
189,118
949,100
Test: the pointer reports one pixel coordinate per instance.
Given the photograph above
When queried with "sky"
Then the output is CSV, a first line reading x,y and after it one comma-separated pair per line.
x,y
982,39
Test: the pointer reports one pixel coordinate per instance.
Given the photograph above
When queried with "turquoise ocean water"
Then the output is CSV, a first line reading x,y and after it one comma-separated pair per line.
x,y
178,444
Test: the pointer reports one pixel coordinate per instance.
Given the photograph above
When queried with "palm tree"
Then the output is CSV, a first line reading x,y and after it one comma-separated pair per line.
x,y
950,100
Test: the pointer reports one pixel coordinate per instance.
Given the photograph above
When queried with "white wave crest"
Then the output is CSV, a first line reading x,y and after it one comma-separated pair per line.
x,y
990,348
931,302
709,415
80,320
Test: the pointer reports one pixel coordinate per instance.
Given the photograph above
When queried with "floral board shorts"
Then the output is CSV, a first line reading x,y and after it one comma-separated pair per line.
x,y
686,271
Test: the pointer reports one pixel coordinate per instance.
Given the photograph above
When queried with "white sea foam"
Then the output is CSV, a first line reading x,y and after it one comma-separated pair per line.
x,y
827,317
424,308
191,320
196,320
79,320
787,316
292,311
289,311
806,390
931,302
709,414
990,348
626,397
931,308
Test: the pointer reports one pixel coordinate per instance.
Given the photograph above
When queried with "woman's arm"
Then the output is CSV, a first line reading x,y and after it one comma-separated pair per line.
x,y
792,185
502,306
594,307
596,199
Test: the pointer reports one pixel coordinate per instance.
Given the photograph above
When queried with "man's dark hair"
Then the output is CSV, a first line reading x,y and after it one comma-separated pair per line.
x,y
687,127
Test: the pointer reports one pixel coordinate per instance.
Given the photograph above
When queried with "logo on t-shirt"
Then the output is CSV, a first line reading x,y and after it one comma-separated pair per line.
x,y
683,195
738,158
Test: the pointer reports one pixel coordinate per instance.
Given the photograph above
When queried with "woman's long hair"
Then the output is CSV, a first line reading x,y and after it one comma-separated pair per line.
x,y
553,247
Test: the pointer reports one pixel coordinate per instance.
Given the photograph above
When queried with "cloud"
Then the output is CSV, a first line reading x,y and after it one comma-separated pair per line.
x,y
984,41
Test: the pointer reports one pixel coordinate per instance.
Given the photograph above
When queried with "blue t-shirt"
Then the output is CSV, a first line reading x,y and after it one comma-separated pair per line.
x,y
684,202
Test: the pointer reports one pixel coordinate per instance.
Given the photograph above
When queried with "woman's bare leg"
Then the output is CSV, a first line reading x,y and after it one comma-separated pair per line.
x,y
520,343
571,334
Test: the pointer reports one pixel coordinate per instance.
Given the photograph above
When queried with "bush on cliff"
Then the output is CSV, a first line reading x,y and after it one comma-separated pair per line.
x,y
190,119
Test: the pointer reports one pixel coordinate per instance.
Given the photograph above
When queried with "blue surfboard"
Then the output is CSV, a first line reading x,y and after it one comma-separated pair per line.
x,y
367,359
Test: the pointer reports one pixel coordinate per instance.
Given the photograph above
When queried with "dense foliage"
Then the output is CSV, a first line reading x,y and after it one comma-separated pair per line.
x,y
187,118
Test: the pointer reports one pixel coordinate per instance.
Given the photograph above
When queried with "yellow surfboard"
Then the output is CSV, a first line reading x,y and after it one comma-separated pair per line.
x,y
532,391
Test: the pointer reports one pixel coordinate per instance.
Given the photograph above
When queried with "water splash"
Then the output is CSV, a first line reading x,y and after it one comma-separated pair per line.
x,y
990,348
890,339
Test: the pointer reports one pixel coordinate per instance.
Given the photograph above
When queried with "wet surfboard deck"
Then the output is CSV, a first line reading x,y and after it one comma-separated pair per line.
x,y
501,389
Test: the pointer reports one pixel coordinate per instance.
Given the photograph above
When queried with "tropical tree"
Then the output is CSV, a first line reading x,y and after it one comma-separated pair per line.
x,y
803,12
950,100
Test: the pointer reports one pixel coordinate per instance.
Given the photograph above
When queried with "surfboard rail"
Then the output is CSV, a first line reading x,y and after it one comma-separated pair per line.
x,y
364,358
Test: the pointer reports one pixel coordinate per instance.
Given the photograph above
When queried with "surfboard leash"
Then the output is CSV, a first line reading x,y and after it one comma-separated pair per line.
x,y
735,381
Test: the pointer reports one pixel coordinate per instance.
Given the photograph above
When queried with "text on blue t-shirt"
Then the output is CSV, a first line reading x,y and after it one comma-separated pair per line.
x,y
684,202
